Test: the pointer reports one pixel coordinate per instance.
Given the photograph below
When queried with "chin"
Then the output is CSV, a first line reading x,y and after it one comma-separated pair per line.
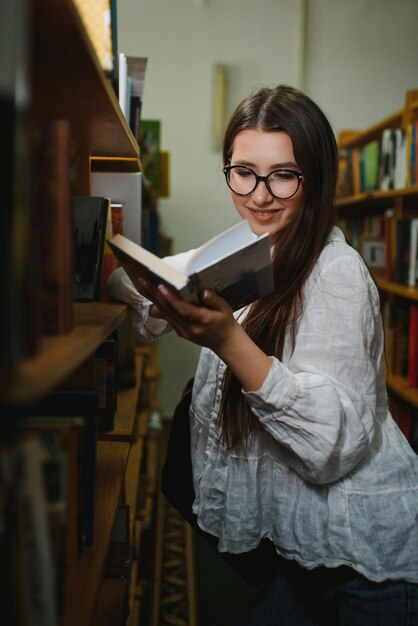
x,y
259,229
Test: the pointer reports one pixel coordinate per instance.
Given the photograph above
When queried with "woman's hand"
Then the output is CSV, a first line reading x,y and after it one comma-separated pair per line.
x,y
213,326
209,325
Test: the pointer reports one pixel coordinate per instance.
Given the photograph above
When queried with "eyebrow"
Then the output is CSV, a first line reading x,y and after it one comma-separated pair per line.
x,y
275,166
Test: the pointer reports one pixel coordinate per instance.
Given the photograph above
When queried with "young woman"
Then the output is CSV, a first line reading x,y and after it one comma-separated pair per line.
x,y
292,439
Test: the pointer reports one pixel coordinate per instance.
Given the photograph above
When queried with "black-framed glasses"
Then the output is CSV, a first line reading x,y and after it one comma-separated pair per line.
x,y
281,184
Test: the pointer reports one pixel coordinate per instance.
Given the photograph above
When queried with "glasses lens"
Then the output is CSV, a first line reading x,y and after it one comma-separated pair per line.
x,y
241,180
283,183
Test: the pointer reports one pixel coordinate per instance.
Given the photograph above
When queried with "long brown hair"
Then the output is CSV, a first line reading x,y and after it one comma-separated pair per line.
x,y
284,108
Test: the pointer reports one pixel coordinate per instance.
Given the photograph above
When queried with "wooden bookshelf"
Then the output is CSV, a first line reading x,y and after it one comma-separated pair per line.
x,y
399,385
397,289
111,602
403,204
350,139
69,82
84,581
126,418
375,197
60,355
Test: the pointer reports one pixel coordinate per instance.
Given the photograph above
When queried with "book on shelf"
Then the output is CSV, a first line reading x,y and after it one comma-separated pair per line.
x,y
385,163
63,437
402,257
80,403
109,262
235,263
413,346
411,139
125,189
55,227
122,92
149,139
393,155
371,152
90,220
131,76
32,567
136,67
106,377
389,235
15,177
373,252
345,182
396,325
413,254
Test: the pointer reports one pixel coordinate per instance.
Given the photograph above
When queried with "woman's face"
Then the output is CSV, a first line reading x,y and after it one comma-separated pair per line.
x,y
264,152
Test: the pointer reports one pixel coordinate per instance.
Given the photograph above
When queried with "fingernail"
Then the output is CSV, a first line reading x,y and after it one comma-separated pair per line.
x,y
207,294
163,289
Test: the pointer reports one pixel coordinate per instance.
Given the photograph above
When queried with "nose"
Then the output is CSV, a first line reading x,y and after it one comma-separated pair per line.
x,y
261,194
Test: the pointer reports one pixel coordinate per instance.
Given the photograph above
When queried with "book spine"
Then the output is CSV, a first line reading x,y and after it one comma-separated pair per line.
x,y
413,346
15,180
55,228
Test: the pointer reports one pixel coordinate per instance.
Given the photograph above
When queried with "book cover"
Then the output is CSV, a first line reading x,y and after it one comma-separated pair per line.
x,y
236,264
90,219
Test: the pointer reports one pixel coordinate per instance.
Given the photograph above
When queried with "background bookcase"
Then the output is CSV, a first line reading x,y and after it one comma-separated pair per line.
x,y
356,211
67,81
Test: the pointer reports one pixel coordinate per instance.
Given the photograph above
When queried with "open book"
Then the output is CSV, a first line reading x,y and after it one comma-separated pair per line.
x,y
236,264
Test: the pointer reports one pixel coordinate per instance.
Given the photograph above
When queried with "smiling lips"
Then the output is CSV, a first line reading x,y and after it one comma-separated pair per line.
x,y
264,215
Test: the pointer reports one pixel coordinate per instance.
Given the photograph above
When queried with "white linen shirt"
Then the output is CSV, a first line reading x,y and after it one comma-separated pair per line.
x,y
329,478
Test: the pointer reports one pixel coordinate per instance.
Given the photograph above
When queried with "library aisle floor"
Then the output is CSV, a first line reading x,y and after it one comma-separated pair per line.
x,y
192,585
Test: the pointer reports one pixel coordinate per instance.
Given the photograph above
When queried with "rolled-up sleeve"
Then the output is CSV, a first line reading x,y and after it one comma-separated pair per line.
x,y
320,403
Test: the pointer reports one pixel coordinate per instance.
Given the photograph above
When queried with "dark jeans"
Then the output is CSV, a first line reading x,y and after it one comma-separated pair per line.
x,y
332,597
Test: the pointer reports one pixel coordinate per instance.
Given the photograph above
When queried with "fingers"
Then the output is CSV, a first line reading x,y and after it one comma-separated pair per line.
x,y
211,300
204,325
154,311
